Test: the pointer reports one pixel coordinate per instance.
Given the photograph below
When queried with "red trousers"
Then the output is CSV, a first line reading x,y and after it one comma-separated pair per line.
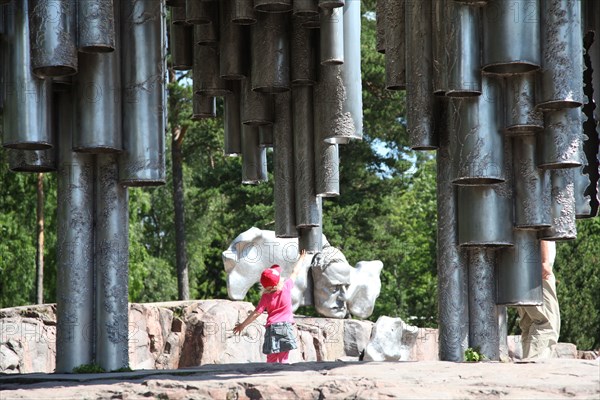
x,y
278,357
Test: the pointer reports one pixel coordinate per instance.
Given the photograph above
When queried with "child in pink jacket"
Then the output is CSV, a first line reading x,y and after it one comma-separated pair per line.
x,y
277,301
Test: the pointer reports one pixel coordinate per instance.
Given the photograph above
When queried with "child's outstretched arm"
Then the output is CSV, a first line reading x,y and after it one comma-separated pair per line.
x,y
240,327
298,265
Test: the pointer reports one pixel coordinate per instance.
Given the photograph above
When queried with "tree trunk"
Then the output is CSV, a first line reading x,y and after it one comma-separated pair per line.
x,y
40,241
183,284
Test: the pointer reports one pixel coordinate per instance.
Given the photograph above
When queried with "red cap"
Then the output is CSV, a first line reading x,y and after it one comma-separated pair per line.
x,y
270,276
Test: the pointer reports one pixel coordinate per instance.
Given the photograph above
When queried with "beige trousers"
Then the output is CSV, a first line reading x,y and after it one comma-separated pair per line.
x,y
540,325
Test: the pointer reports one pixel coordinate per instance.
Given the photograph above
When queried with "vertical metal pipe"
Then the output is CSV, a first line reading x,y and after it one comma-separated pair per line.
x,y
463,50
532,186
483,316
208,34
273,6
560,145
75,246
31,160
562,55
233,44
312,22
484,216
419,75
232,120
476,123
511,36
142,162
563,207
265,135
503,332
254,157
198,12
182,46
453,313
381,15
519,271
53,37
307,202
351,74
178,16
283,168
203,107
244,13
111,263
302,53
439,17
331,36
310,239
395,55
327,169
95,26
27,98
305,8
98,84
257,108
327,4
206,71
521,115
270,53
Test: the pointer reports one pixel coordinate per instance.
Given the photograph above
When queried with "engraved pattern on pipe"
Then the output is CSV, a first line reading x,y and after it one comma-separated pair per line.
x,y
522,117
96,26
395,55
483,318
560,144
270,53
302,52
111,264
563,207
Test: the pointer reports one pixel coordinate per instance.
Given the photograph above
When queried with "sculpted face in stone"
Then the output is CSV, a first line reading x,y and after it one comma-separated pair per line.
x,y
331,275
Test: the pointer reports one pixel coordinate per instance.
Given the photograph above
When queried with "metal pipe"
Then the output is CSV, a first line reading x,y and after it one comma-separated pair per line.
x,y
27,98
511,36
439,44
562,55
198,12
53,34
244,13
351,75
182,46
563,207
380,14
532,186
257,108
310,239
99,94
419,76
307,202
302,52
283,168
111,265
305,8
31,160
96,26
519,271
463,50
254,157
476,123
232,121
270,53
75,246
265,135
395,44
560,145
452,266
206,71
203,106
234,44
582,183
484,216
178,15
207,34
329,4
143,58
273,6
483,314
331,36
327,169
521,116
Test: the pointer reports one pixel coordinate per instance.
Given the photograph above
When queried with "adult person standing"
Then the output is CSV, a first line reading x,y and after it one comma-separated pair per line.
x,y
540,325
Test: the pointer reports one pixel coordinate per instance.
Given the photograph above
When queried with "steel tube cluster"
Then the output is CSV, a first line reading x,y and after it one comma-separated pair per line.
x,y
289,72
70,70
497,87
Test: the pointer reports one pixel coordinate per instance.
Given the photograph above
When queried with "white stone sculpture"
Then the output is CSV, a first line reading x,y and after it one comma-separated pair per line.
x,y
391,340
337,288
